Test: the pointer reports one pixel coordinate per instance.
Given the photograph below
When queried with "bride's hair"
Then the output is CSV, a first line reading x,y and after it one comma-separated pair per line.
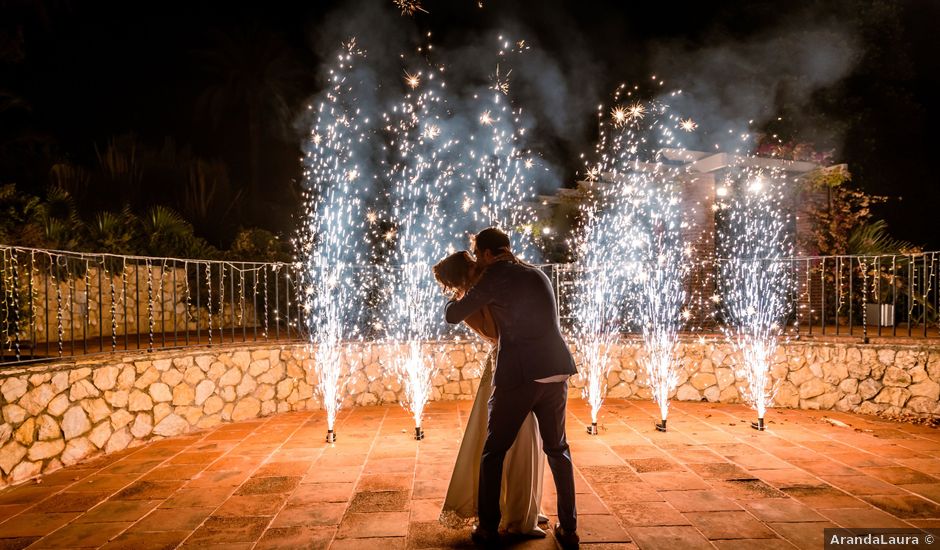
x,y
456,271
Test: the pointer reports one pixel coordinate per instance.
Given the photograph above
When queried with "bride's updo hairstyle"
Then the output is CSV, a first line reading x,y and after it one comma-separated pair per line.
x,y
455,271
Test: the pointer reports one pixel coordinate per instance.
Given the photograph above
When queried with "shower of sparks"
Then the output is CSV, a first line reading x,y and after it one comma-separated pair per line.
x,y
756,283
636,111
688,125
413,80
351,47
500,83
409,7
388,195
633,258
599,286
331,301
619,114
431,131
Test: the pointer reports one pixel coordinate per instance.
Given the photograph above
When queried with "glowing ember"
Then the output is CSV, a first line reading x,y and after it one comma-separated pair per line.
x,y
409,7
412,80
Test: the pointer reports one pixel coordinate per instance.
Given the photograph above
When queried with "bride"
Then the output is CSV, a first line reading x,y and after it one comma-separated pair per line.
x,y
522,471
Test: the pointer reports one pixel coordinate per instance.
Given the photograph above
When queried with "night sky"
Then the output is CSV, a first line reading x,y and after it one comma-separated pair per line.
x,y
858,78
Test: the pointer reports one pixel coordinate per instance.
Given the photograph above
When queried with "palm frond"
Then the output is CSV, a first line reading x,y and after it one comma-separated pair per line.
x,y
872,239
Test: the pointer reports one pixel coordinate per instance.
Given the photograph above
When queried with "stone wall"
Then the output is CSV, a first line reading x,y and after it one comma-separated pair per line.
x,y
61,413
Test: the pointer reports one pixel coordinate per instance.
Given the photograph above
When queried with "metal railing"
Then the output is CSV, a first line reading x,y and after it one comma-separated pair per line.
x,y
865,296
57,303
68,304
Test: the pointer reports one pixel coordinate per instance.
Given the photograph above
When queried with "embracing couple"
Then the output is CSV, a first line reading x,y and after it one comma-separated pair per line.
x,y
519,409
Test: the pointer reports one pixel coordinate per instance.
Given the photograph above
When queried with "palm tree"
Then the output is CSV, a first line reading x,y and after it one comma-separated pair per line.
x,y
252,72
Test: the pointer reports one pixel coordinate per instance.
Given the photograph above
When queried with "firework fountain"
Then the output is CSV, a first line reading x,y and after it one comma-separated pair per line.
x,y
632,247
599,288
754,239
665,259
420,176
333,290
440,184
441,165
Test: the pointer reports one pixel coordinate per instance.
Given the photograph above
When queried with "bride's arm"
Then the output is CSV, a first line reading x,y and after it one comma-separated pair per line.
x,y
482,324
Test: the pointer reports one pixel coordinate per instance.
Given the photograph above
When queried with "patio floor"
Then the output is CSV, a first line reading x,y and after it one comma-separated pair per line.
x,y
710,482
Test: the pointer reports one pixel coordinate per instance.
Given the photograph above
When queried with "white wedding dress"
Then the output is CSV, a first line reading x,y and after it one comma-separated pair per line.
x,y
521,491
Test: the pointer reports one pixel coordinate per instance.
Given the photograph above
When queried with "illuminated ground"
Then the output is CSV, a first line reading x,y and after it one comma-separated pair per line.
x,y
711,482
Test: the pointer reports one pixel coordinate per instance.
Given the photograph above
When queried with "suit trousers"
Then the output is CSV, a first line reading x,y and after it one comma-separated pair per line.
x,y
508,408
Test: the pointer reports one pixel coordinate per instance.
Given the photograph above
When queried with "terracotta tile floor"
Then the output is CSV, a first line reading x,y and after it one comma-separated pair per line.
x,y
710,482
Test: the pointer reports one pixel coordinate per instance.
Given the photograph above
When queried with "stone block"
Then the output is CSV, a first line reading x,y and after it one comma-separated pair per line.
x,y
688,392
127,377
160,393
77,374
60,381
171,425
799,377
97,409
928,388
10,455
105,378
161,411
119,440
47,428
896,377
163,365
183,395
76,450
259,366
117,399
923,405
26,433
172,377
703,380
869,388
849,385
712,394
835,373
893,395
264,392
13,388
35,400
217,370
43,450
148,377
268,407
25,470
204,389
213,404
100,434
75,423
241,359
14,414
228,394
139,401
232,377
121,418
248,407
812,388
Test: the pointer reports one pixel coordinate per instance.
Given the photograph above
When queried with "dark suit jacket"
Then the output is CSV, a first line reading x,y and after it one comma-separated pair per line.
x,y
523,305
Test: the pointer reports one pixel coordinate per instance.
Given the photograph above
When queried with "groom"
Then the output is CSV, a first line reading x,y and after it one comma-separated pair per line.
x,y
532,368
